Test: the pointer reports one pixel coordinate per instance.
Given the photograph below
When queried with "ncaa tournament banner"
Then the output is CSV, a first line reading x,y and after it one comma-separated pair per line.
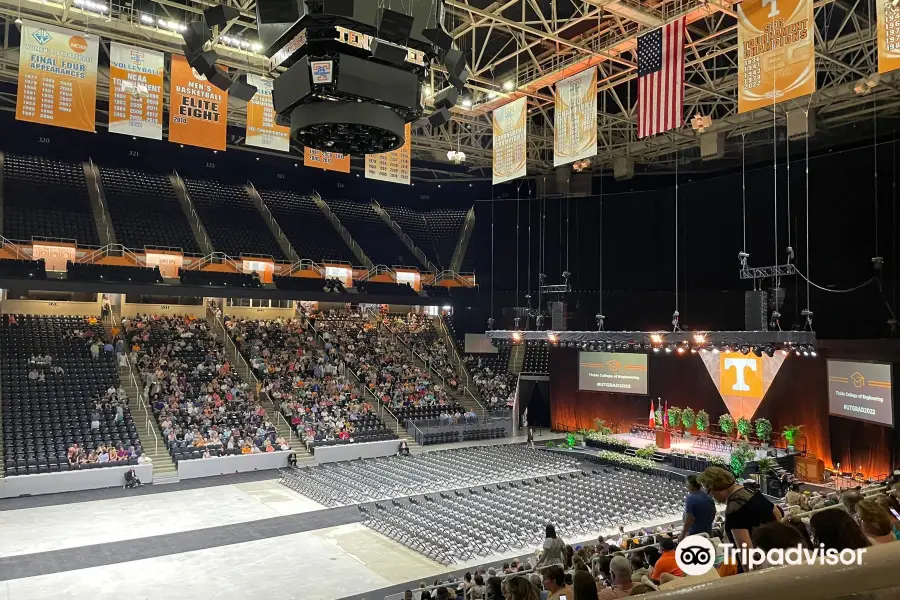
x,y
135,91
888,36
575,118
509,140
330,161
776,57
391,166
198,110
262,131
57,77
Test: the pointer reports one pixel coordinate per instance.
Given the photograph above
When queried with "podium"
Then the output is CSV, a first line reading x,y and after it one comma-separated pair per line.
x,y
663,439
809,469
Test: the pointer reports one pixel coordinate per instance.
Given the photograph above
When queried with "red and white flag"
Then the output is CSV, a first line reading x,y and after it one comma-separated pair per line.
x,y
652,415
661,79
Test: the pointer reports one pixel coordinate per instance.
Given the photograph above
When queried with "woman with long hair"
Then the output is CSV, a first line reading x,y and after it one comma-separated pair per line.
x,y
519,587
583,586
835,528
554,549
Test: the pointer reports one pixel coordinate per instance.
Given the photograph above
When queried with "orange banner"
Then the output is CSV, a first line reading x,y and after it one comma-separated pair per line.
x,y
262,131
888,36
136,91
329,161
391,166
57,77
198,110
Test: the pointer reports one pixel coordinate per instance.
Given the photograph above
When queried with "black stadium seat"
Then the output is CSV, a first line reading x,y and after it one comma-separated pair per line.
x,y
374,236
307,228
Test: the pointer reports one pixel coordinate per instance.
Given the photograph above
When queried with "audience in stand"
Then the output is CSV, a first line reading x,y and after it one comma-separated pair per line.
x,y
497,389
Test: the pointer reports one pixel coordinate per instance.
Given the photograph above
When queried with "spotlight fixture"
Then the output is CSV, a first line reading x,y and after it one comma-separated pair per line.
x,y
656,338
701,123
509,85
553,339
757,351
467,103
457,157
668,349
680,349
699,338
580,165
715,350
745,350
812,353
769,351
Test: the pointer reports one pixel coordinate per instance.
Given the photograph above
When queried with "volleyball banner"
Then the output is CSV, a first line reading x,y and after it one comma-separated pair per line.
x,y
510,132
57,77
198,110
888,35
575,118
135,91
391,166
262,131
330,161
776,55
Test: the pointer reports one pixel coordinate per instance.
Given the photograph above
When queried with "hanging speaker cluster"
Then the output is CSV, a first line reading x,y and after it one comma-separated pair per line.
x,y
196,37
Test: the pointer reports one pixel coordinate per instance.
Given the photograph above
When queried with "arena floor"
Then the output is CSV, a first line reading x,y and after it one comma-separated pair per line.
x,y
228,536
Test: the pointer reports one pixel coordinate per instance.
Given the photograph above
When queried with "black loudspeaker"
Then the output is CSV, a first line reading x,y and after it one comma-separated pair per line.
x,y
203,62
439,117
219,78
241,89
446,99
455,62
439,38
196,35
220,15
394,26
339,8
389,52
292,86
460,81
756,317
283,120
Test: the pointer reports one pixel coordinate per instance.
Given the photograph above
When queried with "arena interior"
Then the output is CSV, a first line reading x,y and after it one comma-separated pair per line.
x,y
448,299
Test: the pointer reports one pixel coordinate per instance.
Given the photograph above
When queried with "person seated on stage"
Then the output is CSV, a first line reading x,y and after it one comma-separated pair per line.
x,y
131,479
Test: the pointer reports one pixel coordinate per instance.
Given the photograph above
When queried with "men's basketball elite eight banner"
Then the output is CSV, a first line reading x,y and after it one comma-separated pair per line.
x,y
776,56
888,35
262,131
135,91
509,140
391,166
198,110
57,77
575,119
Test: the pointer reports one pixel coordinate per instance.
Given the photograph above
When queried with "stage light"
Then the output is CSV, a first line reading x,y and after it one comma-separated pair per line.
x,y
492,94
466,103
785,352
757,351
517,337
813,353
257,47
427,90
715,350
680,349
668,349
147,19
656,338
656,349
699,338
873,80
769,350
553,339
745,350
509,85
694,351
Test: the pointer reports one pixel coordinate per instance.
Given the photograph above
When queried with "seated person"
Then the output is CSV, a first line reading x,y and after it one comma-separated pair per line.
x,y
131,479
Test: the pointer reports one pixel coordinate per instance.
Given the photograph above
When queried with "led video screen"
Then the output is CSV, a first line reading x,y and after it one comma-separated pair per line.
x,y
619,372
861,390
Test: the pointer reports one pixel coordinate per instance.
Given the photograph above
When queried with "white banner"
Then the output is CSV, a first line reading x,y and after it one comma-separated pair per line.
x,y
135,91
391,166
575,118
262,131
510,131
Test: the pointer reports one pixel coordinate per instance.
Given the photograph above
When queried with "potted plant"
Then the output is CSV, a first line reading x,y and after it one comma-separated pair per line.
x,y
743,427
646,452
687,419
580,436
674,416
765,465
726,424
790,433
763,430
740,457
702,421
601,426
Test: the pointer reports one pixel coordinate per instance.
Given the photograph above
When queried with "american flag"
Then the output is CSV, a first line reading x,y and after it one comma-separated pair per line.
x,y
661,79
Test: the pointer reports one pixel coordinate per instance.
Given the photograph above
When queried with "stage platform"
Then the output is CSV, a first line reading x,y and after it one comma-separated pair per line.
x,y
688,445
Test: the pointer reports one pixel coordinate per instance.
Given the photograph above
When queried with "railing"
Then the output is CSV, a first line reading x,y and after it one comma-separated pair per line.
x,y
461,370
379,270
306,265
345,233
462,243
217,258
96,174
408,241
267,214
19,254
110,250
193,213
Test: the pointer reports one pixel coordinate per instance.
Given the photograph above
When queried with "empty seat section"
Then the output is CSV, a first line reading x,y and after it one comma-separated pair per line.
x,y
231,220
310,232
444,227
46,198
376,238
145,211
413,224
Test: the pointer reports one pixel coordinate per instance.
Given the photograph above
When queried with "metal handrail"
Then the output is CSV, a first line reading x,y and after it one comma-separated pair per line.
x,y
103,209
193,211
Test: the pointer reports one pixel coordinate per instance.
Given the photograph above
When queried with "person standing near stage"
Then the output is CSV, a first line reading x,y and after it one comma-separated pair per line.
x,y
530,439
699,509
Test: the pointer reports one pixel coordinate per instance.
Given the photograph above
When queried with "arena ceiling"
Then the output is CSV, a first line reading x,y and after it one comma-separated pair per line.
x,y
522,47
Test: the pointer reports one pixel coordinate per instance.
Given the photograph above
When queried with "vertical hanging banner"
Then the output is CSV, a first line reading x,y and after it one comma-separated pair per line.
x,y
330,161
198,110
57,77
509,140
776,55
135,91
888,22
262,131
391,166
575,118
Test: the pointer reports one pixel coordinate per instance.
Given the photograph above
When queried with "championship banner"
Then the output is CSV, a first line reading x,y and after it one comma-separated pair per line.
x,y
509,140
391,166
330,161
262,131
776,54
742,379
888,35
57,77
198,110
575,118
135,91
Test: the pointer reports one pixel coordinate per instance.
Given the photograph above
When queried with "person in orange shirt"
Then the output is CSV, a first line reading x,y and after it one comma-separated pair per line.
x,y
246,449
666,562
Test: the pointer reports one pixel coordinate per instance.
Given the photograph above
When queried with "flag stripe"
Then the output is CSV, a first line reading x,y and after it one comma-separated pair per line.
x,y
661,87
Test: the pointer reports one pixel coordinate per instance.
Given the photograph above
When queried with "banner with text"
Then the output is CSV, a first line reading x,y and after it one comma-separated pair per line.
x,y
198,110
888,35
742,379
57,77
391,166
575,119
776,55
262,131
135,91
330,161
509,140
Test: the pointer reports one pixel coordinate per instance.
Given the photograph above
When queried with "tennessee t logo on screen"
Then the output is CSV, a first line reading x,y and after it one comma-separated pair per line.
x,y
740,375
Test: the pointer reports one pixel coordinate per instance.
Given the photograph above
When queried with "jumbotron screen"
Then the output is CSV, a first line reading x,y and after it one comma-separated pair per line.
x,y
861,390
619,372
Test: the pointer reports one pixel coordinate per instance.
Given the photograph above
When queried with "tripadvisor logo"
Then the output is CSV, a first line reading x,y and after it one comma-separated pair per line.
x,y
696,555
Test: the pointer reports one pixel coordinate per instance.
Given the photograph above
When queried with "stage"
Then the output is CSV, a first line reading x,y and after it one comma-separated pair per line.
x,y
691,446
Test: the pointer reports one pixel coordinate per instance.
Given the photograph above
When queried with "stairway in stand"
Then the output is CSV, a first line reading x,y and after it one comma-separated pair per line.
x,y
516,359
164,469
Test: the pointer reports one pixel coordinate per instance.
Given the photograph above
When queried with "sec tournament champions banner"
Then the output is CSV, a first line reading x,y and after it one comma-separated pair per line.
x,y
391,166
262,131
198,110
888,36
742,379
330,161
135,91
57,77
509,140
776,56
575,119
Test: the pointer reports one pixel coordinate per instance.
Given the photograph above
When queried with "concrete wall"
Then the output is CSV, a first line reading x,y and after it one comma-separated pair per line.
x,y
226,465
70,481
50,308
326,454
241,312
130,310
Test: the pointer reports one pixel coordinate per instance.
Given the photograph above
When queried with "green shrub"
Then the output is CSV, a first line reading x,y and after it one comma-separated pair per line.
x,y
702,420
688,418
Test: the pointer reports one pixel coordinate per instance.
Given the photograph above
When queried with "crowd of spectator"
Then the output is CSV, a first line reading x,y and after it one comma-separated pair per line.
x,y
418,332
496,389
